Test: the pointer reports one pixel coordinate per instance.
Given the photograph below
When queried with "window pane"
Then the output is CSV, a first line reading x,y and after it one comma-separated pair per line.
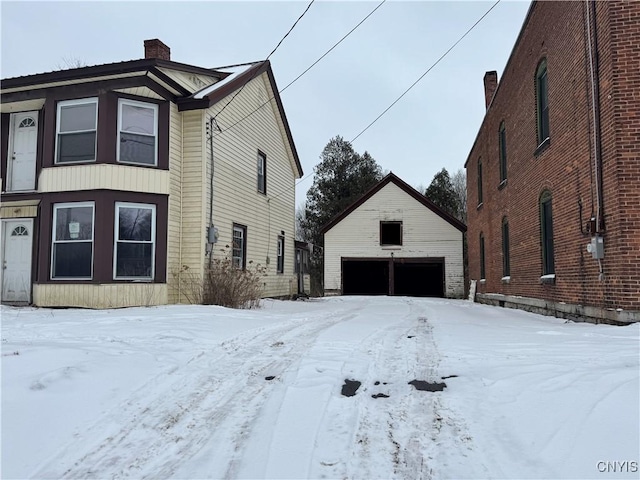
x,y
390,233
134,259
137,148
137,119
78,117
76,147
74,223
71,260
134,224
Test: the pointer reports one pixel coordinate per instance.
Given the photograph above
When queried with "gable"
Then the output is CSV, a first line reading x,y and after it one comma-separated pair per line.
x,y
393,204
402,194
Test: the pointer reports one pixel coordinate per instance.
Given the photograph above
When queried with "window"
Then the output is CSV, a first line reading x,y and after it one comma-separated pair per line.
x,y
482,270
479,182
502,145
506,262
262,172
542,102
137,132
76,131
280,254
72,242
390,233
239,249
134,244
546,227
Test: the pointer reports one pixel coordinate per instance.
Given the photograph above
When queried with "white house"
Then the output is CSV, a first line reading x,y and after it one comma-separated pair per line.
x,y
394,241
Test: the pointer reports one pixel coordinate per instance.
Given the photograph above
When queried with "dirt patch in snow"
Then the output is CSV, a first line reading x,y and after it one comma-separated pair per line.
x,y
428,386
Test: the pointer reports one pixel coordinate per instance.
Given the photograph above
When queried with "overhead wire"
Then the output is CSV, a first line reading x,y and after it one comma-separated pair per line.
x,y
407,90
223,130
426,72
307,69
268,56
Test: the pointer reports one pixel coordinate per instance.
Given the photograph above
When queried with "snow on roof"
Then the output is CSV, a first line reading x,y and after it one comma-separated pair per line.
x,y
235,73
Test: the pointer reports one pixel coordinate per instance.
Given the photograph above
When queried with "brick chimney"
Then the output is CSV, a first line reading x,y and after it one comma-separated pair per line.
x,y
156,49
490,85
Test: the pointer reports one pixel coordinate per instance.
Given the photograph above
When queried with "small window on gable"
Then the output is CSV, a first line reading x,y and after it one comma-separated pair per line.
x,y
76,125
137,132
542,102
262,172
390,233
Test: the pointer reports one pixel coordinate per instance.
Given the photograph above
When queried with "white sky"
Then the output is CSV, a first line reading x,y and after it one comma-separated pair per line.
x,y
432,127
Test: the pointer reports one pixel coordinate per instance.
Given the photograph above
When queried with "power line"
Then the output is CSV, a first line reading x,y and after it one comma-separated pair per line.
x,y
268,56
427,71
306,70
403,94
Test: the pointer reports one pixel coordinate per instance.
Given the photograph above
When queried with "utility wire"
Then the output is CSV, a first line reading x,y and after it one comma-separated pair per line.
x,y
307,69
405,92
268,56
427,71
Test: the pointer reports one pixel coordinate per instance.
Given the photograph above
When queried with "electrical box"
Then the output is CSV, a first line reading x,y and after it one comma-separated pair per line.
x,y
212,234
596,247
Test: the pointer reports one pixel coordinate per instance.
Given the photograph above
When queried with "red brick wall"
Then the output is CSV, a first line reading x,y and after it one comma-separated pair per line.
x,y
557,31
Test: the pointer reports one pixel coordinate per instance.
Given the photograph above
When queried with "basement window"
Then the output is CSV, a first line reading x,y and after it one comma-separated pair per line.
x,y
390,233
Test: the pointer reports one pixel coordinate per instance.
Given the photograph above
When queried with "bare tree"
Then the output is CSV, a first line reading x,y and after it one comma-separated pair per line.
x,y
69,62
301,234
459,183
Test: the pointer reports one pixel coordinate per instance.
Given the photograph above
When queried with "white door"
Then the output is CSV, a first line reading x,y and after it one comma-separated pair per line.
x,y
17,242
22,151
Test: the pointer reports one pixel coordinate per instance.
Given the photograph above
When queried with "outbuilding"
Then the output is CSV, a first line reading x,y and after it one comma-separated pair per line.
x,y
394,241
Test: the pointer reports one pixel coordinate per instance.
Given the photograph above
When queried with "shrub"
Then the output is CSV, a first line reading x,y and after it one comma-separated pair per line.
x,y
232,287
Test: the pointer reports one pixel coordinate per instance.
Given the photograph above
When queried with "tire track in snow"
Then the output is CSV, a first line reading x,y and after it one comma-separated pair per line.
x,y
172,417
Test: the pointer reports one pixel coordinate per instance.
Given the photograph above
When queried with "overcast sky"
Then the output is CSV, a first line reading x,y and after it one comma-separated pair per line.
x,y
432,127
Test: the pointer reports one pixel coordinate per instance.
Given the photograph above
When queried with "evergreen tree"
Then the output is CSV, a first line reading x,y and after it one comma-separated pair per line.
x,y
441,193
341,177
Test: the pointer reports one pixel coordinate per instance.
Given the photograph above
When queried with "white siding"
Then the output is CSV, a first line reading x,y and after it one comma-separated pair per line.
x,y
103,176
235,194
191,81
99,296
425,234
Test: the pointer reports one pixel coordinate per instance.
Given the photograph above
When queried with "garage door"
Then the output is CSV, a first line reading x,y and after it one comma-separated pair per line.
x,y
400,276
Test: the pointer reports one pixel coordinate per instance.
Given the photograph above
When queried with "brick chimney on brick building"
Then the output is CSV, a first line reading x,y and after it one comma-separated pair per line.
x,y
156,49
490,86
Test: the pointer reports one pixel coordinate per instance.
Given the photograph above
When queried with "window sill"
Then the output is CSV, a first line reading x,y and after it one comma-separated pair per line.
x,y
548,279
479,206
542,147
502,184
506,279
391,247
483,281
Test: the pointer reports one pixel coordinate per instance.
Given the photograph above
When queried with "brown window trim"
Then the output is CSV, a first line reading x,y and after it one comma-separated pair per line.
x,y
107,130
104,226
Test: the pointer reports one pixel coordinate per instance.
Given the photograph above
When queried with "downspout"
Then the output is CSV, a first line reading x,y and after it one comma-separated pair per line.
x,y
595,106
212,123
181,202
597,134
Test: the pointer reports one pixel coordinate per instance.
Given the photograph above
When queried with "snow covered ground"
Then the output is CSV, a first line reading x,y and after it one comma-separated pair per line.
x,y
183,392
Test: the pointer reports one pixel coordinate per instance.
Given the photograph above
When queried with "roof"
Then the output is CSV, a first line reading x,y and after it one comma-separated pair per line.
x,y
230,80
212,94
391,178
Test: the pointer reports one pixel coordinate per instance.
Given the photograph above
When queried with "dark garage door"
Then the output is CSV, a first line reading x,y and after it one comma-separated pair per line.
x,y
409,277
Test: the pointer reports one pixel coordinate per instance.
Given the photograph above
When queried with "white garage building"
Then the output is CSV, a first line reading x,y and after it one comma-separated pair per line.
x,y
394,241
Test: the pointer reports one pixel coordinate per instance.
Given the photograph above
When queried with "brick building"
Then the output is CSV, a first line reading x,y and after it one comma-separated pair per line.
x,y
555,167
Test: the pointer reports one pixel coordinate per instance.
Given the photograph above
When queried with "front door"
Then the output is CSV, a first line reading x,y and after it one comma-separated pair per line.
x,y
23,146
17,243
